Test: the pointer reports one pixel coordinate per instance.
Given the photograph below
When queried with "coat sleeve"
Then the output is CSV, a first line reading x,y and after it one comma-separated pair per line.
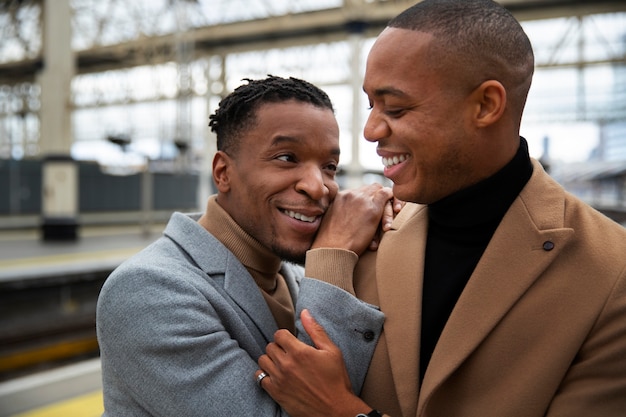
x,y
166,349
353,325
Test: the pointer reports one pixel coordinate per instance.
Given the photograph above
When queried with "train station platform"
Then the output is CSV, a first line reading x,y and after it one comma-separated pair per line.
x,y
48,294
70,391
25,255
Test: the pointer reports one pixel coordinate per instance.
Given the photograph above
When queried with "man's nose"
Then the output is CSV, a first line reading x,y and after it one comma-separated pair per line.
x,y
375,127
312,183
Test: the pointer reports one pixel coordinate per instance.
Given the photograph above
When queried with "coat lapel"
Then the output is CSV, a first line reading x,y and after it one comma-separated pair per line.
x,y
240,286
216,260
399,272
515,257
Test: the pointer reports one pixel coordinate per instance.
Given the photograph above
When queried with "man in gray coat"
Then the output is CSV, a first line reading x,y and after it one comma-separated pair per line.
x,y
182,324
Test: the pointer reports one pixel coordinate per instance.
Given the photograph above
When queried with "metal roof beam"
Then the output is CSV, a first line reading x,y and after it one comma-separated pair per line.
x,y
279,32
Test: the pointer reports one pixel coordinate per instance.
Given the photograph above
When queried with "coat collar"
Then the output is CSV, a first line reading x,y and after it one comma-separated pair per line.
x,y
210,255
399,269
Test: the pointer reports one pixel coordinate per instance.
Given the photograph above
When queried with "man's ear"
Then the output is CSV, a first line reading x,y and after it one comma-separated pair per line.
x,y
222,164
490,98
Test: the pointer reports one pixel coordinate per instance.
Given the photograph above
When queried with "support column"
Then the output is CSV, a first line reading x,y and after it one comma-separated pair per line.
x,y
59,203
355,169
216,80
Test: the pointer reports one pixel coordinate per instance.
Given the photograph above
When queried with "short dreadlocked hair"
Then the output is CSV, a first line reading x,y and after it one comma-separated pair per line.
x,y
236,112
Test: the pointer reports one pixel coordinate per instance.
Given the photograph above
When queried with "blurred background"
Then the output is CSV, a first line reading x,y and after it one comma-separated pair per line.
x,y
104,110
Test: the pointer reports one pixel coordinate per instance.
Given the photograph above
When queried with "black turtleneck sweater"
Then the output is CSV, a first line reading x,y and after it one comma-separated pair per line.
x,y
459,228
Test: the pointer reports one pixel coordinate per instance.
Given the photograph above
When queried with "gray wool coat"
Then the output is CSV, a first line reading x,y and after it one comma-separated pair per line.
x,y
182,324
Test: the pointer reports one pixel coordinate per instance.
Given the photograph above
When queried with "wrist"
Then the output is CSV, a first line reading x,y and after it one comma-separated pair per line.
x,y
373,413
333,266
353,406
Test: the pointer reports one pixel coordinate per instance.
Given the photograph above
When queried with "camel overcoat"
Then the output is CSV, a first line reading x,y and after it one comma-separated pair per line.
x,y
539,330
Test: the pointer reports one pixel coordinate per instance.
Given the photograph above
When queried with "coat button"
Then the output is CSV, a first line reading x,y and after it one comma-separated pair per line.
x,y
368,335
548,246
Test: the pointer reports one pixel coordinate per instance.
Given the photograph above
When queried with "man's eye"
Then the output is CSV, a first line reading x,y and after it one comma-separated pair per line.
x,y
286,158
332,167
394,112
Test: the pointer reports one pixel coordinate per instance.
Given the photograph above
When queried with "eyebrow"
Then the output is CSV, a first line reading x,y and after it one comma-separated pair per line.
x,y
280,139
387,91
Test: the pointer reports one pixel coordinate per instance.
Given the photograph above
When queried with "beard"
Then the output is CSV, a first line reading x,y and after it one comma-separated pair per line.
x,y
290,255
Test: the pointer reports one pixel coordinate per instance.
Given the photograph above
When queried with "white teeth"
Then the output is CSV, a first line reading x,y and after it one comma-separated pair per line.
x,y
299,216
388,162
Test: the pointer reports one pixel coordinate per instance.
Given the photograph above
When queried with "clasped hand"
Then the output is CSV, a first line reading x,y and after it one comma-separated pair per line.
x,y
308,380
357,218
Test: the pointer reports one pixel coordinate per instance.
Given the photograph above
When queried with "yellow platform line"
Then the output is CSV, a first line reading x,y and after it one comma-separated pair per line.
x,y
88,405
48,353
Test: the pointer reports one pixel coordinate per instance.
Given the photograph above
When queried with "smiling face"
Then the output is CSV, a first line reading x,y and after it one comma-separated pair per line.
x,y
281,179
420,121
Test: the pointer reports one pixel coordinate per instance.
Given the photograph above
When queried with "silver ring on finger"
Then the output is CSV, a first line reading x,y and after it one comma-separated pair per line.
x,y
260,377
